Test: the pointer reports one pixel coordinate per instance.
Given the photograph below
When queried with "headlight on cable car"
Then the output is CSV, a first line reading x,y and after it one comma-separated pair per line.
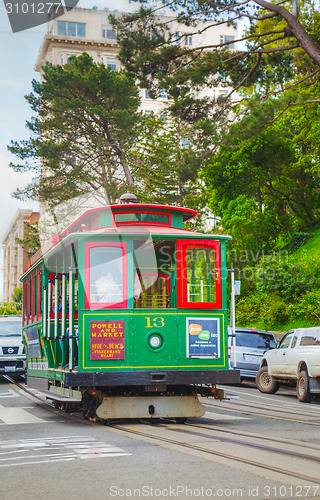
x,y
155,341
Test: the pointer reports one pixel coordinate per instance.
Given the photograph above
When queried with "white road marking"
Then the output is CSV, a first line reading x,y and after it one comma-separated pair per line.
x,y
221,416
275,401
14,416
28,451
9,394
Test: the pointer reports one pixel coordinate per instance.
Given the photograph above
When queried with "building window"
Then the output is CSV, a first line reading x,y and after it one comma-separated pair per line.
x,y
163,116
188,39
148,94
108,32
177,40
67,28
163,94
112,64
226,39
148,112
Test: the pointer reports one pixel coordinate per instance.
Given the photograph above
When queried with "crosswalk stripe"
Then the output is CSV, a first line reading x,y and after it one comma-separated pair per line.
x,y
27,451
13,416
9,394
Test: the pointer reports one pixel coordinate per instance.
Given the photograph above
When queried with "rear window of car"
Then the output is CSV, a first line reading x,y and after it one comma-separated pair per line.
x,y
10,328
310,337
257,340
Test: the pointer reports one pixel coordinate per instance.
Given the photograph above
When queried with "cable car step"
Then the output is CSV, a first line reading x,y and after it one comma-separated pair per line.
x,y
62,397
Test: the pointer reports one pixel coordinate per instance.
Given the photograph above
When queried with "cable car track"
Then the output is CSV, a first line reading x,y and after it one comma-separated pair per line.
x,y
246,409
221,454
194,429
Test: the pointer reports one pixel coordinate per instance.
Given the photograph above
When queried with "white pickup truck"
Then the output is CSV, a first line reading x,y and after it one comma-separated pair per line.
x,y
296,361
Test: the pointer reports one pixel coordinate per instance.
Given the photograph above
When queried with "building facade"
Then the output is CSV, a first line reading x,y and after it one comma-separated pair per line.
x,y
15,259
89,30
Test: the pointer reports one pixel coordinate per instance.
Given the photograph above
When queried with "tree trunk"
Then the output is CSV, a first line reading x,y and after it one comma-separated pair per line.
x,y
294,28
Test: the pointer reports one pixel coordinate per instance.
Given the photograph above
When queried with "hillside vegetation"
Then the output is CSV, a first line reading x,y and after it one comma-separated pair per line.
x,y
284,292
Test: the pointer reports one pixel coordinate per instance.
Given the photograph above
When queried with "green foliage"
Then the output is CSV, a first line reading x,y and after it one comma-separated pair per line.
x,y
261,307
17,298
7,308
279,49
285,278
251,228
85,128
283,293
270,311
308,306
31,239
168,162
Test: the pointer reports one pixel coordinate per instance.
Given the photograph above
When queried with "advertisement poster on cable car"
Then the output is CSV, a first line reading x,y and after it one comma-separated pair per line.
x,y
32,340
203,338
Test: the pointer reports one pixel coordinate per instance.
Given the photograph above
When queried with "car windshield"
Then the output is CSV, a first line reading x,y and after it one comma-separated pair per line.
x,y
257,340
10,328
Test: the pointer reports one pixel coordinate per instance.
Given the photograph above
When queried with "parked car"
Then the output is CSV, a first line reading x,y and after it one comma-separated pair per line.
x,y
12,356
250,347
296,361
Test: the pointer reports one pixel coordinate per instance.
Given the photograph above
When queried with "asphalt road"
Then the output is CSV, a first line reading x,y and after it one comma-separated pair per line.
x,y
250,446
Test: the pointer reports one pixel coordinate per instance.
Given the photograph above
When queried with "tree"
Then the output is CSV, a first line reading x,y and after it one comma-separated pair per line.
x,y
17,298
31,238
277,38
82,137
265,181
170,159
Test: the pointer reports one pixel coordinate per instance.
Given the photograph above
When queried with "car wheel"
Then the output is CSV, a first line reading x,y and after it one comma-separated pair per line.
x,y
266,382
303,387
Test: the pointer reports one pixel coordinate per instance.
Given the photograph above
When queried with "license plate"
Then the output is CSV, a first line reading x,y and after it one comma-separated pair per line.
x,y
10,368
251,358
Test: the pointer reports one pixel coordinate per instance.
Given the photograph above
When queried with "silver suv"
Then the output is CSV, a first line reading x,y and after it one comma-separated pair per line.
x,y
12,357
250,347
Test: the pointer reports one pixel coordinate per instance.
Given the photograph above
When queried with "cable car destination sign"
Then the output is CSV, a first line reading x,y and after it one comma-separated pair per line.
x,y
107,340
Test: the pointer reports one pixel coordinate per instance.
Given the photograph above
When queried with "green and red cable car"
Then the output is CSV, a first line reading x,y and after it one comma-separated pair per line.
x,y
125,314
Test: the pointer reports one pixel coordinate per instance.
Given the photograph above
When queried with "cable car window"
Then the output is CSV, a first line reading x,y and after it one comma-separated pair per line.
x,y
201,282
35,297
199,274
105,283
153,266
40,293
141,217
29,300
155,291
25,302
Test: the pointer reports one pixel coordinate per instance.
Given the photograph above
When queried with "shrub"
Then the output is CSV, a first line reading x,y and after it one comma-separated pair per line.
x,y
8,308
285,278
307,306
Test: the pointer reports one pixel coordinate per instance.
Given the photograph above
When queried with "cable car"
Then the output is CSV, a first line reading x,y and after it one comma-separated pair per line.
x,y
125,314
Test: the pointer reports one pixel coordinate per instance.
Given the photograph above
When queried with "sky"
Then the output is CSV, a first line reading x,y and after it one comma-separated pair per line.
x,y
18,54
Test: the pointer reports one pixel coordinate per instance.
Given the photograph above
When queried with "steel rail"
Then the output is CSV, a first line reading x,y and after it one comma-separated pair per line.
x,y
183,444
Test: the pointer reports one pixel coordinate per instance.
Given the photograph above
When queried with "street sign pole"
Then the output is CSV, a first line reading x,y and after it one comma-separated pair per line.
x,y
233,318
